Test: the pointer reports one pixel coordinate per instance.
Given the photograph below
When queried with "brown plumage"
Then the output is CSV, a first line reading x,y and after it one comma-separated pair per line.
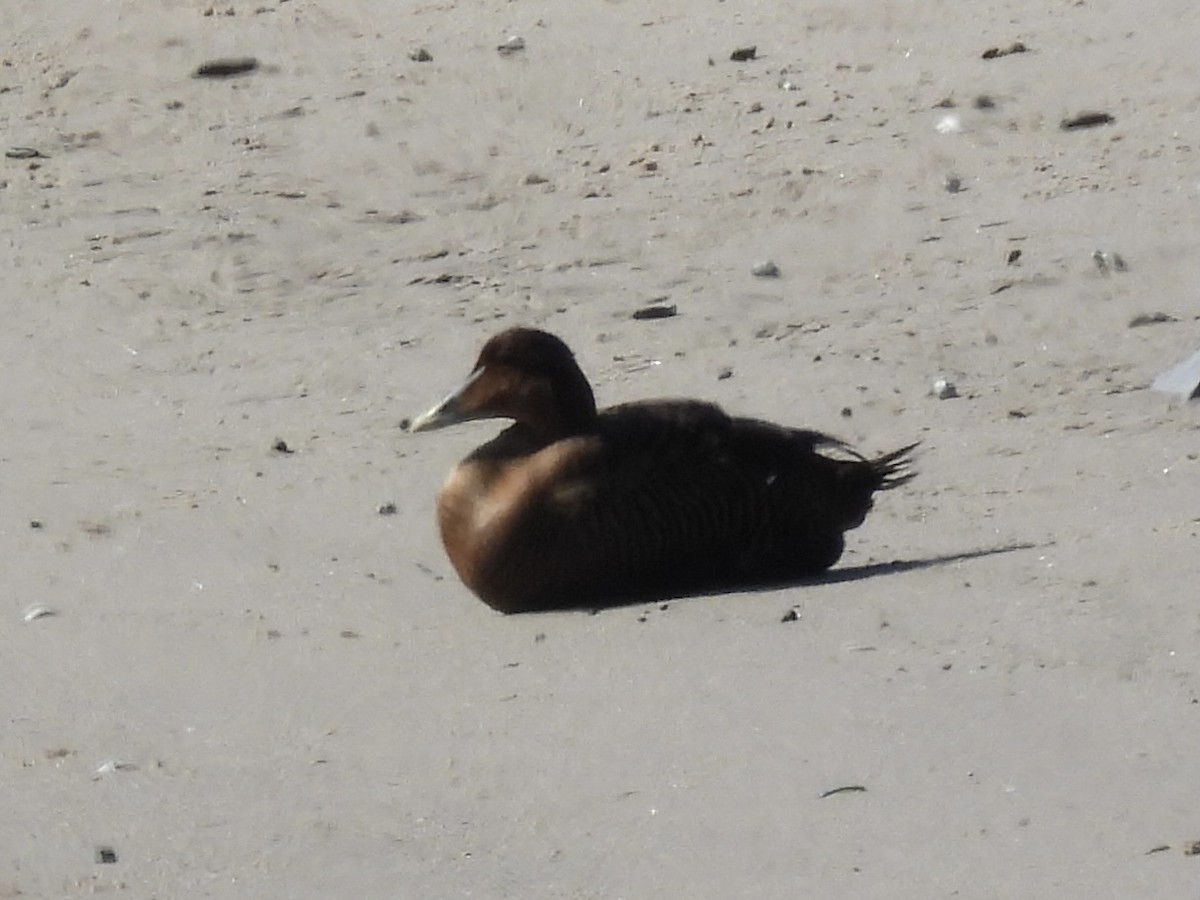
x,y
570,506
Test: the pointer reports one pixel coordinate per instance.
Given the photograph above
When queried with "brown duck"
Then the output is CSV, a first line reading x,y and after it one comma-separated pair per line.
x,y
570,506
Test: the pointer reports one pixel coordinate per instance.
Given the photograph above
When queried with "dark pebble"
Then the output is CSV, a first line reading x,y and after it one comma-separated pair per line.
x,y
106,855
387,509
282,447
226,68
1154,318
656,311
997,52
742,54
1086,120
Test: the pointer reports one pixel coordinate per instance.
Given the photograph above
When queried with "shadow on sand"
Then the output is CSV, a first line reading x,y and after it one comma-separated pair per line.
x,y
896,566
833,576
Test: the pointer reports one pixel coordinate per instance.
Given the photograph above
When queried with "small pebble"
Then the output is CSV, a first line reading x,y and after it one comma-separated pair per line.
x,y
37,611
1013,256
280,446
765,269
1086,120
420,55
953,184
724,372
1107,261
997,52
944,390
106,855
226,68
1154,318
792,615
742,54
24,153
387,509
512,44
656,311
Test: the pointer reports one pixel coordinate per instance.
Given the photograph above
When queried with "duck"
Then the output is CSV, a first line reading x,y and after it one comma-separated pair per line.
x,y
571,506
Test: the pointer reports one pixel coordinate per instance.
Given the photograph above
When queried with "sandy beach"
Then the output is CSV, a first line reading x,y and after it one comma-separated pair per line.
x,y
237,663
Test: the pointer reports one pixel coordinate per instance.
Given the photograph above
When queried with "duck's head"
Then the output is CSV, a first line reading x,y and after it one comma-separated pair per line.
x,y
523,374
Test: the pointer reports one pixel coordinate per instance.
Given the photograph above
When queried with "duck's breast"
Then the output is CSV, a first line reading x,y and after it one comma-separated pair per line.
x,y
507,524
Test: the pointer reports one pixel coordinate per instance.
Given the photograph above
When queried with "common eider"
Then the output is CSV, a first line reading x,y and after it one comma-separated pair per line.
x,y
571,506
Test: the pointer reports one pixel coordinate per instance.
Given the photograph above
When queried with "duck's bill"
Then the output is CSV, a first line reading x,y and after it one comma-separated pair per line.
x,y
449,412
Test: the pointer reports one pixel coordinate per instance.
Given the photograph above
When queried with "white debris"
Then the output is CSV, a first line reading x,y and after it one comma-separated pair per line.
x,y
111,766
512,44
1182,379
943,389
951,123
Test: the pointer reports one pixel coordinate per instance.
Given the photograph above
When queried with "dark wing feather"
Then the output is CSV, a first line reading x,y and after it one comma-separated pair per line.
x,y
677,496
671,497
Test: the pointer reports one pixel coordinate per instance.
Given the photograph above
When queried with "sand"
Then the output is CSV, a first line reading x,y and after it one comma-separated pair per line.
x,y
254,684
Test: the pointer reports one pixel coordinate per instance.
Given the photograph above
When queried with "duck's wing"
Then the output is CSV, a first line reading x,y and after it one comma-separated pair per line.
x,y
677,496
671,497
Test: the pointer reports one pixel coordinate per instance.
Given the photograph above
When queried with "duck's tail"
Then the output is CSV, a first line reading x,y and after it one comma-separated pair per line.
x,y
894,469
861,477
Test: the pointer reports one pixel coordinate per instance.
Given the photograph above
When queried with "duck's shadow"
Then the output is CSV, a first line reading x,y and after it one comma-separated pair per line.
x,y
896,566
834,576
